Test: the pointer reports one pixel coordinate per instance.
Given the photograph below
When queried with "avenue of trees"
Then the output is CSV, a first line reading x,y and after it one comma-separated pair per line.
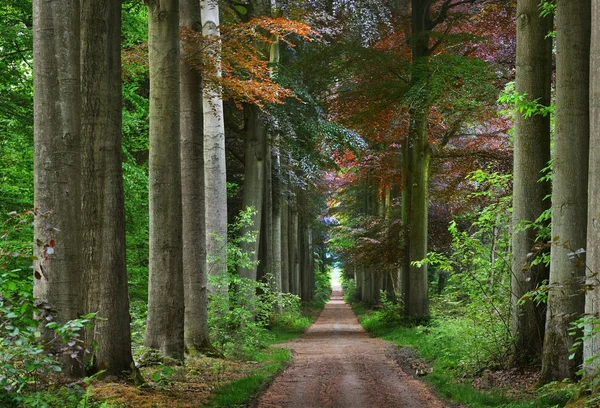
x,y
178,159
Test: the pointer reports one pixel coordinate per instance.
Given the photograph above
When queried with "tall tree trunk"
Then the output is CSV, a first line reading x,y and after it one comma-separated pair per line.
x,y
531,155
165,325
268,260
285,259
276,235
591,345
569,182
417,155
254,184
103,203
310,259
192,194
293,253
215,180
57,102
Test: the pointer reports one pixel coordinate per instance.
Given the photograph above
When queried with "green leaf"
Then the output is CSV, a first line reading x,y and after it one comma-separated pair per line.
x,y
241,9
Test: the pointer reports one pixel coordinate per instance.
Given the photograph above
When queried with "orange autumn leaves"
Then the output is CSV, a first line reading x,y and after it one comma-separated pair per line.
x,y
247,76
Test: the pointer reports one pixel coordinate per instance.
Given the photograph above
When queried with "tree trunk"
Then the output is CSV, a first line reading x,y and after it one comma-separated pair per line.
x,y
254,184
57,175
285,259
531,155
591,345
269,259
293,254
417,155
415,203
276,235
569,181
165,325
215,180
192,194
103,202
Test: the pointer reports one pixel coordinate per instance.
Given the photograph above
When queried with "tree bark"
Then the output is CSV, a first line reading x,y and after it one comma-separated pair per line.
x,y
254,185
103,202
165,324
57,169
591,345
294,254
531,155
276,235
192,194
214,161
417,155
569,181
285,259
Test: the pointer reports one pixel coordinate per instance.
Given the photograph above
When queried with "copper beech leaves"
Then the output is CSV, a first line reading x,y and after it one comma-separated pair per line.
x,y
246,74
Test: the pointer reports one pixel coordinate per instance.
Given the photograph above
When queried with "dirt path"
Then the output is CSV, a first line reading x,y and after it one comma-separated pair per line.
x,y
336,364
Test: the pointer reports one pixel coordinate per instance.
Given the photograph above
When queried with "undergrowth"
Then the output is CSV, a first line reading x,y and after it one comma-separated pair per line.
x,y
457,352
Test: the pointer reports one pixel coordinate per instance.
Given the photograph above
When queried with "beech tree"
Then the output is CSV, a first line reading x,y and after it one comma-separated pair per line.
x,y
165,323
569,187
57,169
591,343
531,155
192,192
103,203
214,154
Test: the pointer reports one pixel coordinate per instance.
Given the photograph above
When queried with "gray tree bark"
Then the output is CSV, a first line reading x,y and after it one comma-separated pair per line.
x,y
254,184
294,257
531,155
569,182
277,218
192,193
215,180
104,261
285,233
57,170
591,345
165,324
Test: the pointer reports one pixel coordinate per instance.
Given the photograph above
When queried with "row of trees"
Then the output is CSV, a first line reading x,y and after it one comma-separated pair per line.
x,y
79,199
430,127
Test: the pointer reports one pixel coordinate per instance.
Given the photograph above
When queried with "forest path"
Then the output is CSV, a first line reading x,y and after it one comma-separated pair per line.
x,y
336,364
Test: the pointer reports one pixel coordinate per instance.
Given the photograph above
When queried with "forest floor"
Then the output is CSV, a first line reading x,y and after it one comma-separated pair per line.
x,y
337,364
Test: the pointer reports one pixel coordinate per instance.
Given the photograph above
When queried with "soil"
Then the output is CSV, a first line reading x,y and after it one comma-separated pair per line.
x,y
336,364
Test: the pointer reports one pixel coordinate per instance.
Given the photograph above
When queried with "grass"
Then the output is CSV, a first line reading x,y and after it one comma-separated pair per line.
x,y
271,361
240,392
448,345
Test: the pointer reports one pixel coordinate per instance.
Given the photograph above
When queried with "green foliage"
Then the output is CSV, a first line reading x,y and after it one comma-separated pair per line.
x,y
452,349
522,103
322,285
25,359
391,311
479,283
239,320
163,376
16,105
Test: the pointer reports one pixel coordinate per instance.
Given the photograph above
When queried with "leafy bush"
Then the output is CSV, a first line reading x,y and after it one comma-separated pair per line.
x,y
25,357
239,320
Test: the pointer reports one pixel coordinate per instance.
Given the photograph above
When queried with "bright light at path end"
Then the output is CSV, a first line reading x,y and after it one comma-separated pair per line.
x,y
335,277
